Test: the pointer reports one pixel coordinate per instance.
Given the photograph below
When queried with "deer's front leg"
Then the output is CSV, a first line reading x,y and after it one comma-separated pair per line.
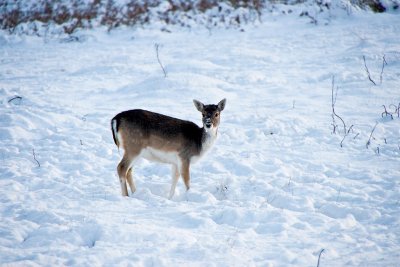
x,y
185,172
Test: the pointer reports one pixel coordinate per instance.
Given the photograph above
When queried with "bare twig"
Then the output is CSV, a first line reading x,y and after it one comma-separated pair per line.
x,y
383,66
386,113
158,59
370,136
366,69
396,109
341,142
345,135
334,114
15,98
34,157
351,128
384,63
319,256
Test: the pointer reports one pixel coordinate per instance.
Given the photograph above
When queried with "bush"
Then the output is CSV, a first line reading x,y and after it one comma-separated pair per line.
x,y
375,5
66,16
75,14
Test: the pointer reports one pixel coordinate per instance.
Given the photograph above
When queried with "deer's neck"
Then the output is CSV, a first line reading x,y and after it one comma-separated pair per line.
x,y
209,136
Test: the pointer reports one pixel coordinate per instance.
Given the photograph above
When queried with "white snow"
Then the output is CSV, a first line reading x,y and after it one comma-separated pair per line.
x,y
275,189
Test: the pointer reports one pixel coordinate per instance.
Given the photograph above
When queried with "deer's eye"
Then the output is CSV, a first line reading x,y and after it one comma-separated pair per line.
x,y
216,115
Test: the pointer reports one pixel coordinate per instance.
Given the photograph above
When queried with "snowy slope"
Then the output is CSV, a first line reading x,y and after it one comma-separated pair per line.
x,y
276,189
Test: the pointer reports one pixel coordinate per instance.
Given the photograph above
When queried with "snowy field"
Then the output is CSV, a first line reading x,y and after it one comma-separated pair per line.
x,y
276,189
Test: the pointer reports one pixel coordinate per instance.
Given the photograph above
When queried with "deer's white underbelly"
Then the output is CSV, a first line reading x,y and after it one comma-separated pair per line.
x,y
153,154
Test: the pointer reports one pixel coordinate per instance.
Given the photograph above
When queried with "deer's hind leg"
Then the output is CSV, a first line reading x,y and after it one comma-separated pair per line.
x,y
122,169
129,178
175,178
125,172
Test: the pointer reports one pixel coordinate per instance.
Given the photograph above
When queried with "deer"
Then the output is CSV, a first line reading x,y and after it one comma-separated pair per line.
x,y
160,138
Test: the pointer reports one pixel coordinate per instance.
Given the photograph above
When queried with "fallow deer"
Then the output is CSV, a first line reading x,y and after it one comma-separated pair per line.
x,y
156,137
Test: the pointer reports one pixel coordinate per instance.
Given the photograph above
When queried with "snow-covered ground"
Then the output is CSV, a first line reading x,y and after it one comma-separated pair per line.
x,y
276,189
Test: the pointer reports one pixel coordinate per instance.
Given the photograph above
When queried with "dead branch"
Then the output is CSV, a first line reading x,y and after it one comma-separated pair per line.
x,y
158,59
386,113
34,157
16,98
334,114
366,69
319,256
351,128
383,66
370,136
396,109
345,135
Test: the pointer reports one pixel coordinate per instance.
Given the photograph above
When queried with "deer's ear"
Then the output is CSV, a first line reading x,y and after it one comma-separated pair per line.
x,y
221,104
198,105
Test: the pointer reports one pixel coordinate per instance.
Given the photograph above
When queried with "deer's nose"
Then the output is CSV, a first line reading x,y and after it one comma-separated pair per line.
x,y
208,122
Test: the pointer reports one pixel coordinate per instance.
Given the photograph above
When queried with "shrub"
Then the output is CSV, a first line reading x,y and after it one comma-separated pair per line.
x,y
28,16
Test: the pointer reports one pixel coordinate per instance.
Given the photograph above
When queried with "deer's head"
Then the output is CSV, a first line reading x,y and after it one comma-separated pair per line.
x,y
210,113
